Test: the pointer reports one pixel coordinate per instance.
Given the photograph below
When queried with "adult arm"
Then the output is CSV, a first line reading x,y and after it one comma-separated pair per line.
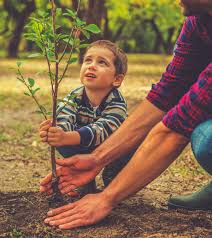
x,y
159,149
128,137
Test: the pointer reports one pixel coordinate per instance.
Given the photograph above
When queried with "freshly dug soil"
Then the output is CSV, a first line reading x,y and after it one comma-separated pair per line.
x,y
22,215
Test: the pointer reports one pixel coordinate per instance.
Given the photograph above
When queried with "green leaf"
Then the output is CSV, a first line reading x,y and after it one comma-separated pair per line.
x,y
70,13
19,63
86,34
43,13
34,91
31,82
34,55
72,60
27,94
68,41
83,46
92,28
79,22
39,112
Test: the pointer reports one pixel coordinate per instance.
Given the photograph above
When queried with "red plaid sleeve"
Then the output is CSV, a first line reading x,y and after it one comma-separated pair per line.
x,y
194,107
191,56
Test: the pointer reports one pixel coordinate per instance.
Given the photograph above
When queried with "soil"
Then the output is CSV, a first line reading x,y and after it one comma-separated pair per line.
x,y
22,215
24,162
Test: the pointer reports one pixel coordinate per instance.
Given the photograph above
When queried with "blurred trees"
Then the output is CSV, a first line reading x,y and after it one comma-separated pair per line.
x,y
137,25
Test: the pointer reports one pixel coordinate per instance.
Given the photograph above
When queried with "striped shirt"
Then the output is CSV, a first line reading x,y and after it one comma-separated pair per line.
x,y
94,124
185,89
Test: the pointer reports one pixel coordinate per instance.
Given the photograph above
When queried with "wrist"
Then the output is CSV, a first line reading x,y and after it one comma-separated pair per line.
x,y
101,157
109,197
71,138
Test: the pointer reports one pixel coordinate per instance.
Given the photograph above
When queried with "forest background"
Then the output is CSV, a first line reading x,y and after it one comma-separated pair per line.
x,y
138,26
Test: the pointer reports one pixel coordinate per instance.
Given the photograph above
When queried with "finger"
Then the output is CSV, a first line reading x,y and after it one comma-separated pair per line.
x,y
62,209
54,129
63,217
73,194
66,220
45,128
46,122
43,133
67,190
65,184
67,162
46,180
73,224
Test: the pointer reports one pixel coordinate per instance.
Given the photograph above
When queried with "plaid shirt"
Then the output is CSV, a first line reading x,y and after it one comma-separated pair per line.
x,y
185,89
94,124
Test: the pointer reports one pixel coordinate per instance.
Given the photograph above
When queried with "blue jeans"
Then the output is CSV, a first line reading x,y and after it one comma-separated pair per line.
x,y
201,142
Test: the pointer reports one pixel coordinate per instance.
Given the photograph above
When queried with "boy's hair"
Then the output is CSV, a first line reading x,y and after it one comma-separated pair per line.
x,y
120,61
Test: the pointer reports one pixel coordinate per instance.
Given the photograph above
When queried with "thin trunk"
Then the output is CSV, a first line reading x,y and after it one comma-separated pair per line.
x,y
20,19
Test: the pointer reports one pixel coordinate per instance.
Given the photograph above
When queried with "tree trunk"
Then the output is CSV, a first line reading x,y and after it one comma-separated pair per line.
x,y
20,19
94,15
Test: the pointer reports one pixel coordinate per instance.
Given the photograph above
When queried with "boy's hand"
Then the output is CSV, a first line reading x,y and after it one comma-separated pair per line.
x,y
43,129
56,137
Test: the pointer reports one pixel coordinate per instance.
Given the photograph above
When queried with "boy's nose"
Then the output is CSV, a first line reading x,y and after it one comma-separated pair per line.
x,y
92,67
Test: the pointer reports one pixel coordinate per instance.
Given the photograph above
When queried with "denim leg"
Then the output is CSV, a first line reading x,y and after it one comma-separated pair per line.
x,y
112,169
201,142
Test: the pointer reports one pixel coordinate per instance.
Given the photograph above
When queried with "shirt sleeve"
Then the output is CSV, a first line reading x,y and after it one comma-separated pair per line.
x,y
112,117
194,107
188,62
66,118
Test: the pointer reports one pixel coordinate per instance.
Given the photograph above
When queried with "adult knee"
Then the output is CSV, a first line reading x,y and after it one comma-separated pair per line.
x,y
201,142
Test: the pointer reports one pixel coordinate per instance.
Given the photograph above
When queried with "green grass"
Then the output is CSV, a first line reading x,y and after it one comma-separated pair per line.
x,y
22,154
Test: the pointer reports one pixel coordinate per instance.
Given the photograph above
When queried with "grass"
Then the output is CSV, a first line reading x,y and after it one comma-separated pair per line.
x,y
24,158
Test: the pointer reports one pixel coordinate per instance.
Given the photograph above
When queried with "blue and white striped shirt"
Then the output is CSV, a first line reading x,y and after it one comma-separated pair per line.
x,y
94,124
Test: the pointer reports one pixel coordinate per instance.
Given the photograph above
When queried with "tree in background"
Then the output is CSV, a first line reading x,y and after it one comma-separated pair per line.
x,y
137,25
17,15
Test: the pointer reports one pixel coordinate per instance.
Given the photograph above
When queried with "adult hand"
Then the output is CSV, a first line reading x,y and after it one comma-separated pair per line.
x,y
74,172
88,210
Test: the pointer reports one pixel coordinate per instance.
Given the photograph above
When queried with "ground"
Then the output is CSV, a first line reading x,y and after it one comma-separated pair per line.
x,y
24,161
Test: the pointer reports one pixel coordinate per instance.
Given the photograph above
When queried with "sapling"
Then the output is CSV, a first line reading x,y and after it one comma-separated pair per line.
x,y
53,44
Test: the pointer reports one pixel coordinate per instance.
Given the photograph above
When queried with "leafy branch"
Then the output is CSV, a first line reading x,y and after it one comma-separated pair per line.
x,y
49,37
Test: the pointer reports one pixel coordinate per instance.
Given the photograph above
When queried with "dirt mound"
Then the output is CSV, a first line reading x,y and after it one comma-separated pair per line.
x,y
22,215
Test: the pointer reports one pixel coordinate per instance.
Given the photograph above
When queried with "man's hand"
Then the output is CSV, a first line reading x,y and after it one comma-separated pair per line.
x,y
74,172
88,210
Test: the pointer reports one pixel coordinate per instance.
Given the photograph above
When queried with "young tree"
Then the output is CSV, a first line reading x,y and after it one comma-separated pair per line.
x,y
50,38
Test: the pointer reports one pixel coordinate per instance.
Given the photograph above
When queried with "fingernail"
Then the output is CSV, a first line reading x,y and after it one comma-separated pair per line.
x,y
49,213
46,220
51,223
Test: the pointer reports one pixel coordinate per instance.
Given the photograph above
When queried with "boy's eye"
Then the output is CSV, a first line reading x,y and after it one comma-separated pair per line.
x,y
87,60
103,62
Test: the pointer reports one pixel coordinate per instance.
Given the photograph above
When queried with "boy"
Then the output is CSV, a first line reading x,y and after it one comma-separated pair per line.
x,y
100,108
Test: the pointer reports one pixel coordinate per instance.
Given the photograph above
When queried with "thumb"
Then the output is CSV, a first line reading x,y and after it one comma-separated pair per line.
x,y
67,161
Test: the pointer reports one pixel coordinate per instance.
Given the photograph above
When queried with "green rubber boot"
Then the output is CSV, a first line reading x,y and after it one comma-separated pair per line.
x,y
200,200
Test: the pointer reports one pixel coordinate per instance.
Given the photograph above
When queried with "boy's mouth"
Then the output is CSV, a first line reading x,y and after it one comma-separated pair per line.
x,y
90,75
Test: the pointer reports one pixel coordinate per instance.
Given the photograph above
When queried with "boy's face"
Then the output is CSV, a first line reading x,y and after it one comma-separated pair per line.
x,y
194,7
98,70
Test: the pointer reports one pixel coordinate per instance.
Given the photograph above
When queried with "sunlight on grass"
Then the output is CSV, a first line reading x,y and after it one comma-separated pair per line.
x,y
20,145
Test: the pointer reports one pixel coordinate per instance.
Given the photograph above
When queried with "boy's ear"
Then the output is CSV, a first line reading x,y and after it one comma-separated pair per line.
x,y
118,80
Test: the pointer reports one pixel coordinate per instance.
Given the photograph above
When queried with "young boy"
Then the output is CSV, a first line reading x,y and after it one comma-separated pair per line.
x,y
100,108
